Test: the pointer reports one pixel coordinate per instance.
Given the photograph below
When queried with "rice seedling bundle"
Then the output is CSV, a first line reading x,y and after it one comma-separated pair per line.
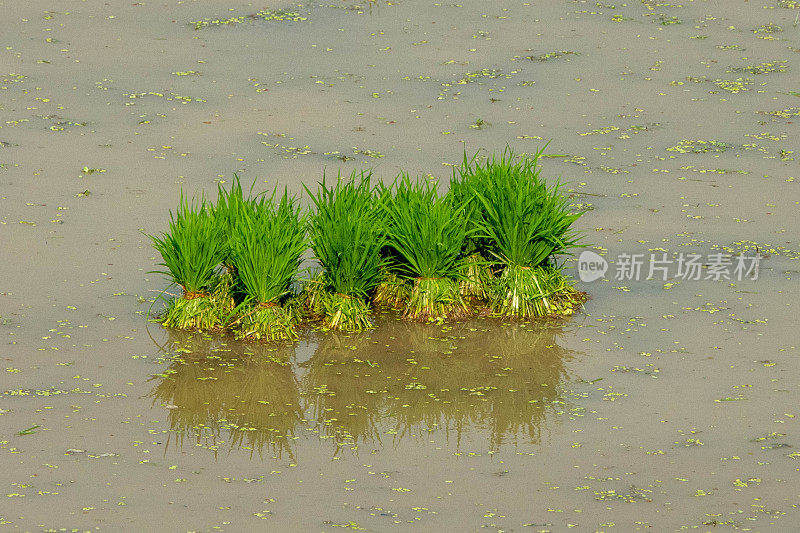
x,y
427,233
266,246
492,239
346,237
191,251
523,224
393,290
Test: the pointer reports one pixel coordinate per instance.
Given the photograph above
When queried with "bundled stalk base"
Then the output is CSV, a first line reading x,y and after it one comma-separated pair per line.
x,y
393,291
222,289
201,310
477,278
192,311
435,300
268,321
312,296
344,312
526,292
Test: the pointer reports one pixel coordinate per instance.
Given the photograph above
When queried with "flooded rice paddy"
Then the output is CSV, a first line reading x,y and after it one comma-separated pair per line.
x,y
667,404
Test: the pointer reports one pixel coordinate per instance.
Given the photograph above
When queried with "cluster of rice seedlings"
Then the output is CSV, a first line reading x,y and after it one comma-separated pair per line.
x,y
236,262
426,233
191,251
522,225
489,245
346,237
266,247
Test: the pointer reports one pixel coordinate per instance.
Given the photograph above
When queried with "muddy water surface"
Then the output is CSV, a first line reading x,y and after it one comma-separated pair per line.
x,y
667,404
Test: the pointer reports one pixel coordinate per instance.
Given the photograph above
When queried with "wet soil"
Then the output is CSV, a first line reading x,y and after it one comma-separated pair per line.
x,y
665,405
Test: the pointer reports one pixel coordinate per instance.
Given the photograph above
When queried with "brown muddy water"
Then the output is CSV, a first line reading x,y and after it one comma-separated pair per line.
x,y
665,405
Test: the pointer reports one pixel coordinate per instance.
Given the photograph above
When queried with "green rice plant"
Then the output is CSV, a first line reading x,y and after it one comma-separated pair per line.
x,y
346,237
266,249
268,321
393,290
190,312
523,224
477,273
230,209
427,233
192,250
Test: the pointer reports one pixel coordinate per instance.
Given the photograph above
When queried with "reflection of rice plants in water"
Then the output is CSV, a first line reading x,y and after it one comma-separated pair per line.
x,y
235,395
523,225
346,237
477,376
337,389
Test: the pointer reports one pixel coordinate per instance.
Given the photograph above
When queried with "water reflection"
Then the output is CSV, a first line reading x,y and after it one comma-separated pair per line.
x,y
413,379
221,392
398,382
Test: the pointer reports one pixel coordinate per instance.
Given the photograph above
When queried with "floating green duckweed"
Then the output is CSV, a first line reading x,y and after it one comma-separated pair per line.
x,y
666,20
783,113
767,67
475,76
751,247
369,153
686,146
552,55
167,96
600,131
766,31
620,18
64,125
265,15
734,86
